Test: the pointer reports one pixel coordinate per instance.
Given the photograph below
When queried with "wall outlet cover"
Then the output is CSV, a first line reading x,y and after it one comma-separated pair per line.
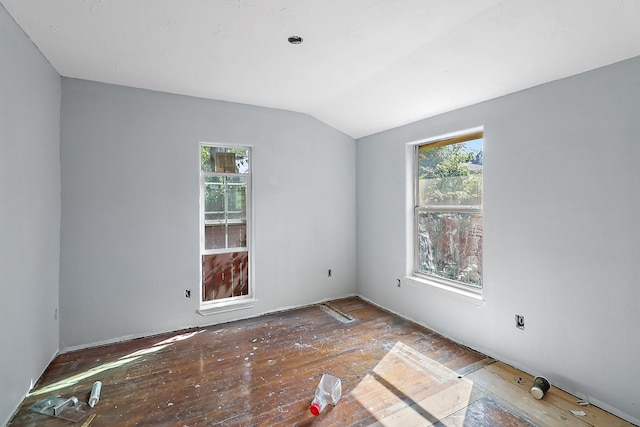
x,y
519,321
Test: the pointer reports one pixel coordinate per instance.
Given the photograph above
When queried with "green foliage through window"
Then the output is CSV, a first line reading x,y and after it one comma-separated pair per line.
x,y
449,211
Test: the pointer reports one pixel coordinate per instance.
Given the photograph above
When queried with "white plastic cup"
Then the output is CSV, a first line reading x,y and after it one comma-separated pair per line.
x,y
540,386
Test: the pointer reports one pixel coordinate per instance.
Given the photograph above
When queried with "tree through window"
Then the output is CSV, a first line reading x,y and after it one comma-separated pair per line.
x,y
448,210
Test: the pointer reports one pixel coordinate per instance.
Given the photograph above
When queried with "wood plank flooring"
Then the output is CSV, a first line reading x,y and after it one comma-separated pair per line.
x,y
263,372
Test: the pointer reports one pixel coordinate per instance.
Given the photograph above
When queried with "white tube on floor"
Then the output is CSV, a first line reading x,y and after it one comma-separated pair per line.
x,y
95,393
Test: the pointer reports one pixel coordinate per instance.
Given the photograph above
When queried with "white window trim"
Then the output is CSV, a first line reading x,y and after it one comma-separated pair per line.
x,y
228,304
207,308
448,289
442,285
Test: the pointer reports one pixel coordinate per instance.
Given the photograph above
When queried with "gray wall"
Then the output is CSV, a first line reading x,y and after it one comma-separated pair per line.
x,y
130,185
29,213
561,244
561,174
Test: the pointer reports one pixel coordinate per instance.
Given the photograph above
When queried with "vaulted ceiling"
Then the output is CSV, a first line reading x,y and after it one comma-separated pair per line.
x,y
364,65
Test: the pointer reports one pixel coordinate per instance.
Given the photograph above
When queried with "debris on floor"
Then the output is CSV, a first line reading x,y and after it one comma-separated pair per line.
x,y
86,423
540,386
95,393
59,407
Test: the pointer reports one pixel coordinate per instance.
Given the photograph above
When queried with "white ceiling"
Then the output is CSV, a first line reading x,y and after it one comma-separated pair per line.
x,y
365,65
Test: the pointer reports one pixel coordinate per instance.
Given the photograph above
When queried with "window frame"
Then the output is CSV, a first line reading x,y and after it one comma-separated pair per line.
x,y
233,302
414,276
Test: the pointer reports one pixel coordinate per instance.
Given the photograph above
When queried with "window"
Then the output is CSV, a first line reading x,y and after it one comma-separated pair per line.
x,y
448,211
225,195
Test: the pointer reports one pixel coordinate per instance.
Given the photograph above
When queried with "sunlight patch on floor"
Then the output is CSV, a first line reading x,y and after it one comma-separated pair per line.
x,y
72,380
180,337
408,388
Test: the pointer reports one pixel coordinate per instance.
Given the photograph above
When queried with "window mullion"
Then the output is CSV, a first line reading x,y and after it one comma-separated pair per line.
x,y
225,193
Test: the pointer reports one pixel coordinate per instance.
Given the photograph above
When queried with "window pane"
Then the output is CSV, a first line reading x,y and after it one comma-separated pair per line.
x,y
214,212
225,275
450,245
224,160
214,198
225,215
237,212
450,174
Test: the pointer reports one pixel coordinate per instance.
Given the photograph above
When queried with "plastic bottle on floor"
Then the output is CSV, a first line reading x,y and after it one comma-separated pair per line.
x,y
328,391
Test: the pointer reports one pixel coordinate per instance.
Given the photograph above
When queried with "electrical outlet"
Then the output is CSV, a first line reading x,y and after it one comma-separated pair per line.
x,y
187,293
399,282
519,321
329,273
55,314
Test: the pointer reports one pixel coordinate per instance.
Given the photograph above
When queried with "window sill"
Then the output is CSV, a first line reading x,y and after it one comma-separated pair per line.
x,y
224,306
470,296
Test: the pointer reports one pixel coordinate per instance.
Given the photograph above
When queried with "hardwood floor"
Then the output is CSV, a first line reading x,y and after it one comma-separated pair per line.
x,y
264,371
